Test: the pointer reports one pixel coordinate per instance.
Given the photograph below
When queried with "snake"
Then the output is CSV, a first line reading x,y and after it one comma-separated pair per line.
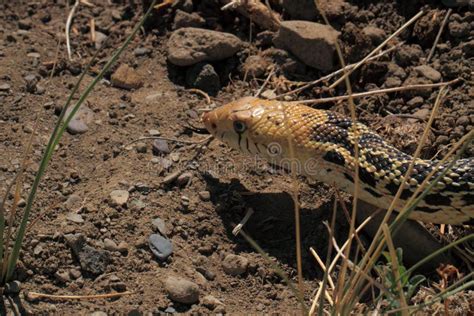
x,y
321,145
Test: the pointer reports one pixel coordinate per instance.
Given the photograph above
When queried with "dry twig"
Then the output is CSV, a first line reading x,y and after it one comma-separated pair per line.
x,y
438,36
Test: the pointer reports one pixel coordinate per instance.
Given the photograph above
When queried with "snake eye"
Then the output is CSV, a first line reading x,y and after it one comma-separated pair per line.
x,y
239,126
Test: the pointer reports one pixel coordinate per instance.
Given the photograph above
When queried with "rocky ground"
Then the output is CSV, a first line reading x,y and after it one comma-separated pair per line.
x,y
155,217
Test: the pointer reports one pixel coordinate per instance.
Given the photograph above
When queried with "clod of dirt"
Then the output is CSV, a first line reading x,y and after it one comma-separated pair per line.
x,y
181,290
376,35
184,19
92,260
161,247
255,66
126,77
313,43
119,197
81,120
235,265
428,72
203,76
300,9
408,55
188,46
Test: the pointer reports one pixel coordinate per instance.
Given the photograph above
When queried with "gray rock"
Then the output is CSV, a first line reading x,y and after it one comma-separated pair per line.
x,y
188,46
119,197
79,123
376,35
160,246
160,225
181,290
204,77
160,147
75,218
428,72
5,87
235,265
313,43
184,19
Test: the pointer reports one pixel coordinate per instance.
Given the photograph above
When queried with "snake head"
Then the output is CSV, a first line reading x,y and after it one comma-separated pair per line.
x,y
244,124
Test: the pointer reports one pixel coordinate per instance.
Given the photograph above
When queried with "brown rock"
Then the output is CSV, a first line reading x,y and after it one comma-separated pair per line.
x,y
126,77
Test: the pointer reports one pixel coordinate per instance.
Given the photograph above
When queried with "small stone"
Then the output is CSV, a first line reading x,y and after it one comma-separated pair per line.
x,y
5,87
81,120
428,72
99,39
141,147
98,313
204,77
92,260
235,265
160,226
73,202
110,245
75,274
376,35
34,55
170,310
119,197
171,177
142,51
269,94
75,218
415,102
22,202
184,19
391,82
204,195
188,46
122,247
31,82
211,302
154,132
181,290
62,276
313,43
184,179
126,77
160,147
160,246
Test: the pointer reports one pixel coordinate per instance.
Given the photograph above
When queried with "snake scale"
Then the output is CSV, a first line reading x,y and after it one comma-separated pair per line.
x,y
321,145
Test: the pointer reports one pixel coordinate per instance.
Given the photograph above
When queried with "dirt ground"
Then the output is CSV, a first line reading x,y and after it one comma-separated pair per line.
x,y
201,207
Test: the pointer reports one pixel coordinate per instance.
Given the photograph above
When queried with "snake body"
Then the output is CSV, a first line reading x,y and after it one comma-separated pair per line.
x,y
320,144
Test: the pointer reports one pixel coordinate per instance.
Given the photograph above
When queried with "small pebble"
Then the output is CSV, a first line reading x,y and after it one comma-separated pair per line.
x,y
181,290
5,87
75,218
160,246
119,197
235,265
184,179
204,195
141,147
160,147
211,302
110,245
160,226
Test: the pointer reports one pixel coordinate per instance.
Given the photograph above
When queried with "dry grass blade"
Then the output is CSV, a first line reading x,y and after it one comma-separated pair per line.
x,y
404,26
36,295
395,267
380,91
323,267
438,36
68,27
